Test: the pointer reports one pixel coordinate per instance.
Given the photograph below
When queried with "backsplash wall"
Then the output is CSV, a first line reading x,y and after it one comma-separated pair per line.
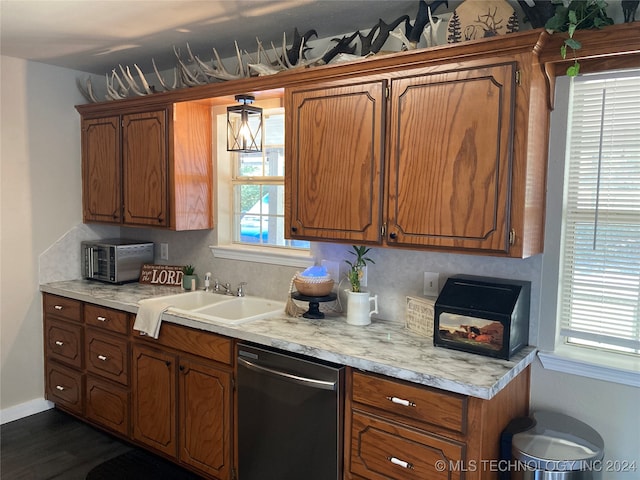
x,y
395,274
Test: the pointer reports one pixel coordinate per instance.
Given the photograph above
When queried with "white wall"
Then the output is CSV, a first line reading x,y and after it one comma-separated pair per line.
x,y
40,200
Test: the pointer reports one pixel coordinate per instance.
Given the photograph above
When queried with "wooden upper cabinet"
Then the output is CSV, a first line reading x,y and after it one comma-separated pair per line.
x,y
101,173
450,153
145,167
334,162
150,168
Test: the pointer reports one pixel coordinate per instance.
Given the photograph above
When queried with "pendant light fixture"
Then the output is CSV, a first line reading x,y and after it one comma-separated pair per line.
x,y
244,126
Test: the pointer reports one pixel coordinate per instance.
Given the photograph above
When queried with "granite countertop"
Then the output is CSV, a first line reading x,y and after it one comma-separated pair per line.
x,y
381,347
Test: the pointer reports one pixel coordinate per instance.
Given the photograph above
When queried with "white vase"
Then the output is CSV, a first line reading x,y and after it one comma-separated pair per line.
x,y
359,307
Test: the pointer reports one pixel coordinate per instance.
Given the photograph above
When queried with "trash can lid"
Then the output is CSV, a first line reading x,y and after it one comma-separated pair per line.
x,y
557,442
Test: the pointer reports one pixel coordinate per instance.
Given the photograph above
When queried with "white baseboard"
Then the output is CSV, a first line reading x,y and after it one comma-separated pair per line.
x,y
24,410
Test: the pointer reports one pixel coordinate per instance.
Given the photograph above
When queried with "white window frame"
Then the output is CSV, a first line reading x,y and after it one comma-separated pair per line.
x,y
223,180
555,353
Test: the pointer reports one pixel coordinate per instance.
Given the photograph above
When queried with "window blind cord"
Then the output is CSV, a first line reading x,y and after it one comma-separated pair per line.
x,y
595,221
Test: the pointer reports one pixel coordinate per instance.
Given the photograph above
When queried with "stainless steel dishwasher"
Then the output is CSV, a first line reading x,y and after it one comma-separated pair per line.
x,y
290,416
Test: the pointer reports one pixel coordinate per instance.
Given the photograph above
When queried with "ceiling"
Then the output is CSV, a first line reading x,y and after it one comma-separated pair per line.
x,y
96,35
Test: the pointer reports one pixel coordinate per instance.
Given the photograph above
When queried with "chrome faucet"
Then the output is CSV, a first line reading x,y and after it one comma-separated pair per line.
x,y
225,288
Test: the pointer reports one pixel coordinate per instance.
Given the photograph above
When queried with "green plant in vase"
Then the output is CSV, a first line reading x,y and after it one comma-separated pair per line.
x,y
188,276
577,15
355,267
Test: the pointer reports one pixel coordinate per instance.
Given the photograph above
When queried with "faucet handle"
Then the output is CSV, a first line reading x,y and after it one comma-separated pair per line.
x,y
241,289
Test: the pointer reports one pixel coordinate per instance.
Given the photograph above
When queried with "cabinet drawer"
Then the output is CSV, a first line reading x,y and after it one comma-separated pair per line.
x,y
423,404
385,450
196,342
107,356
62,307
113,320
108,404
64,342
64,386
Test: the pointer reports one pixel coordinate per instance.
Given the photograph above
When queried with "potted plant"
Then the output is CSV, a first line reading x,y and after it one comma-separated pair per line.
x,y
358,302
355,268
189,278
577,15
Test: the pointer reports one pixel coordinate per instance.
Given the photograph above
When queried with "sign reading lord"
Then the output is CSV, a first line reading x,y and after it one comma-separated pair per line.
x,y
161,275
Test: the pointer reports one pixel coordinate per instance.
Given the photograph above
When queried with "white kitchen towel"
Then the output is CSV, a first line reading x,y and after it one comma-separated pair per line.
x,y
149,316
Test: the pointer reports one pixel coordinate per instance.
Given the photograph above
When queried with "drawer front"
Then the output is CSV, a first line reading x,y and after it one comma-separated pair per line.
x,y
434,407
62,307
65,387
107,318
107,356
64,342
196,342
108,404
385,450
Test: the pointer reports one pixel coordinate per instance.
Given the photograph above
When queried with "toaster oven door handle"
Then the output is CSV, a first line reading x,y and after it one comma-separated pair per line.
x,y
91,255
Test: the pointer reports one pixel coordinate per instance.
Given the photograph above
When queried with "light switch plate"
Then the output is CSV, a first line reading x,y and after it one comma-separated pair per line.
x,y
164,251
431,284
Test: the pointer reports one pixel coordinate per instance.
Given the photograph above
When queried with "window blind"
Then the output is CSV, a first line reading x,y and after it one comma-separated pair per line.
x,y
600,265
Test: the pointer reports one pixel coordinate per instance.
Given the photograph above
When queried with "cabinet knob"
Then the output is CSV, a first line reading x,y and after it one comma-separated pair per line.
x,y
59,387
294,229
393,235
101,319
102,357
58,307
182,368
59,343
401,401
401,463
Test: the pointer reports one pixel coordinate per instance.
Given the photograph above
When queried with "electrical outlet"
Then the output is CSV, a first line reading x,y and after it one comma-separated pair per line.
x,y
333,269
431,284
164,251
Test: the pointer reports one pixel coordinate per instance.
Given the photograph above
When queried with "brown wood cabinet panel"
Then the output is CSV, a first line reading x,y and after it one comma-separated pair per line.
x,y
205,409
63,342
101,172
196,342
154,399
106,318
108,405
382,449
107,356
450,158
413,403
145,167
65,386
191,169
334,162
62,307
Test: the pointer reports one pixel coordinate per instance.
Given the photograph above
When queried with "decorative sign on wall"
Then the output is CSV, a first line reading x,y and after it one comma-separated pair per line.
x,y
170,275
419,315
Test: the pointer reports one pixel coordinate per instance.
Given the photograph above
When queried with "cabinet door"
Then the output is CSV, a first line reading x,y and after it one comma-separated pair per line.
x,y
334,162
154,397
108,404
205,417
101,170
145,166
450,158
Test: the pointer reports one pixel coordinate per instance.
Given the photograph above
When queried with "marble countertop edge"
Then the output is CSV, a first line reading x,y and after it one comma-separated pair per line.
x,y
385,348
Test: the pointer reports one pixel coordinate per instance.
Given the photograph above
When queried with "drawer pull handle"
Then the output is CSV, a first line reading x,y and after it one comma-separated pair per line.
x,y
102,319
102,357
57,307
401,463
59,387
59,343
401,401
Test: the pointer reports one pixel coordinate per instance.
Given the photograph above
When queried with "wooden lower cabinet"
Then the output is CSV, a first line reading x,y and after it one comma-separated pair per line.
x,y
205,412
154,396
402,431
182,405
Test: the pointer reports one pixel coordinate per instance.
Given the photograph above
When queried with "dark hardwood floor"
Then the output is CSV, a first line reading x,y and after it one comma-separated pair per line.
x,y
53,445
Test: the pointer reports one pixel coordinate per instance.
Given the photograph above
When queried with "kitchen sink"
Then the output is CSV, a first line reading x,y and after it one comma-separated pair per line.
x,y
211,307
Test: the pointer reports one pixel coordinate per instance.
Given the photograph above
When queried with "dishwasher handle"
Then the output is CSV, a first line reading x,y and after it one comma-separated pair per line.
x,y
305,381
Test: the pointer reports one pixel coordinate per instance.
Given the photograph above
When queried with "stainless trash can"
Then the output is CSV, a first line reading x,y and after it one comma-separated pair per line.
x,y
557,447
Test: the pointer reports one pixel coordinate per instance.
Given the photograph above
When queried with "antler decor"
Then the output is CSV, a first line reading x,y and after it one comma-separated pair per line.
x,y
190,70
